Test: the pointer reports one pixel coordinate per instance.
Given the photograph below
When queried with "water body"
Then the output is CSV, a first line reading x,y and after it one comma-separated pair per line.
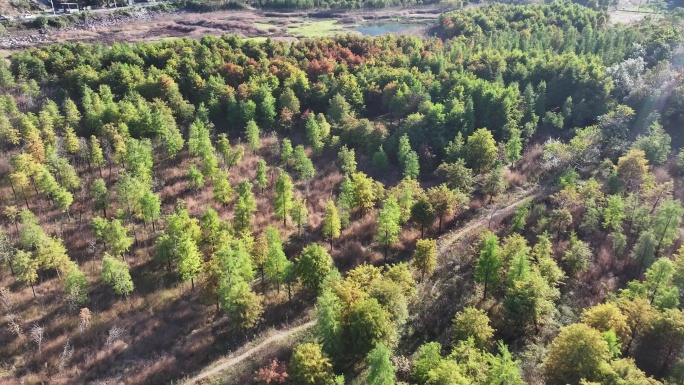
x,y
379,29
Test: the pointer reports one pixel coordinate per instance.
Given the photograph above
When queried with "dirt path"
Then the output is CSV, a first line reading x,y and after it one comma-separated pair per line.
x,y
234,360
504,208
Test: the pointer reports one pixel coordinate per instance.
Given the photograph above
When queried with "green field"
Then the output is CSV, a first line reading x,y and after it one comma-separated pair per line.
x,y
316,29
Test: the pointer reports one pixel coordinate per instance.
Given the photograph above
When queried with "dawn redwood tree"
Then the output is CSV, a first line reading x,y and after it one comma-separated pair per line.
x,y
519,267
100,195
381,371
222,190
189,259
457,175
150,208
488,263
19,182
262,175
339,111
223,147
115,273
245,206
211,227
666,223
380,160
72,117
309,365
283,196
303,165
473,323
411,165
444,201
287,152
260,253
240,303
346,158
26,269
645,249
369,325
514,146
113,235
364,193
313,134
528,303
503,369
252,134
195,178
403,150
7,251
425,256
632,168
277,264
76,287
313,266
299,214
560,219
577,256
329,322
494,182
288,99
608,316
423,213
388,224
71,143
331,222
481,150
578,352
428,357
96,156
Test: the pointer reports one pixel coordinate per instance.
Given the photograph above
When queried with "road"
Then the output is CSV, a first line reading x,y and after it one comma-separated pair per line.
x,y
48,12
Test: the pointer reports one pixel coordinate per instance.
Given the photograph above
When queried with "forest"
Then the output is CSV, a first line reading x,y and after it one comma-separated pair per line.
x,y
498,204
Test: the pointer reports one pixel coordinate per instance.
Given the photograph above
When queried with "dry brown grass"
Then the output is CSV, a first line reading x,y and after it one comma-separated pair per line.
x,y
167,331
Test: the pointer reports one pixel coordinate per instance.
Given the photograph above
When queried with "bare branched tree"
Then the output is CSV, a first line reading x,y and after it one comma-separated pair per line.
x,y
114,335
37,334
5,298
84,315
67,351
13,325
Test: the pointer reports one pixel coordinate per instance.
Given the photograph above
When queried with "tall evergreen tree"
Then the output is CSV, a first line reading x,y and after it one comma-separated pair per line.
x,y
488,263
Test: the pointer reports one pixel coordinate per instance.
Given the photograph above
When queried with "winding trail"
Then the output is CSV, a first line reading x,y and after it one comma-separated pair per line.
x,y
236,359
481,219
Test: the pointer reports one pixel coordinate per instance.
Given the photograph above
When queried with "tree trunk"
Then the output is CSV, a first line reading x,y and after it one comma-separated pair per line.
x,y
12,186
34,291
657,251
192,282
439,228
289,291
